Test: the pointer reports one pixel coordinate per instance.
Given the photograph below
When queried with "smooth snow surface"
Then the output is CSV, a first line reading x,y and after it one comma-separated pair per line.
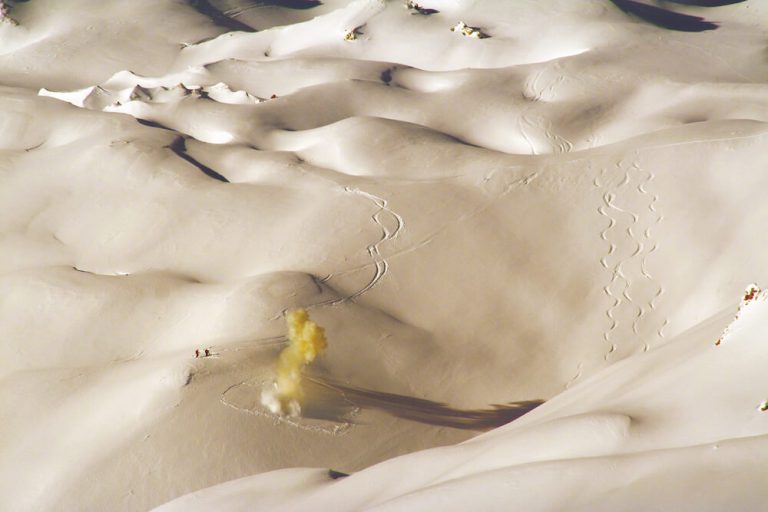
x,y
568,209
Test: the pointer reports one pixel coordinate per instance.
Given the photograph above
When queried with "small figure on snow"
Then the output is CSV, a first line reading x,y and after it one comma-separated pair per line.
x,y
207,352
197,353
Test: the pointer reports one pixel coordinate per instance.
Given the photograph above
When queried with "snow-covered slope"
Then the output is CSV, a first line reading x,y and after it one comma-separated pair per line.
x,y
474,221
682,427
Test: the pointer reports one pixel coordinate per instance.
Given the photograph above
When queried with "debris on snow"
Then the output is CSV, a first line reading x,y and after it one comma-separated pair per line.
x,y
413,6
751,294
5,13
465,30
352,35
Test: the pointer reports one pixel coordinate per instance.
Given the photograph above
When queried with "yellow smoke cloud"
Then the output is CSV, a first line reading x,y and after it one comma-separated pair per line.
x,y
306,342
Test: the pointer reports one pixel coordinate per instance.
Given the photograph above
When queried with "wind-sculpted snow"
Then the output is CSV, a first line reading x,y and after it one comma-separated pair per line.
x,y
473,220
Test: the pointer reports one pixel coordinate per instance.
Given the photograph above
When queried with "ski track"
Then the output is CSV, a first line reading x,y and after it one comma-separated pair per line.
x,y
336,429
536,94
378,262
522,122
629,274
576,377
617,274
656,218
391,224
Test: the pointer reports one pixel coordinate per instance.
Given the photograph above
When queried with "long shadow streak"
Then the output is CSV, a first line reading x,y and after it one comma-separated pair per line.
x,y
333,401
665,18
179,146
218,17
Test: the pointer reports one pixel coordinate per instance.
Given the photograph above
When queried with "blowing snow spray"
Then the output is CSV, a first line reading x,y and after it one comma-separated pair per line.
x,y
306,340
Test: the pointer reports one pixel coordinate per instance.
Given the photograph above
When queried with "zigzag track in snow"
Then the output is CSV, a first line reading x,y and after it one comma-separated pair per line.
x,y
609,210
656,219
378,262
541,94
633,291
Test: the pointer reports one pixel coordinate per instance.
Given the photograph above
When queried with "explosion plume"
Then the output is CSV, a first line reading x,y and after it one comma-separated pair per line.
x,y
333,401
306,342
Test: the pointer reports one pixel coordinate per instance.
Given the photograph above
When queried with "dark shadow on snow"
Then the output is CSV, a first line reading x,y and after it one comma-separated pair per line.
x,y
328,400
153,124
335,475
707,3
665,18
293,4
179,146
218,17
